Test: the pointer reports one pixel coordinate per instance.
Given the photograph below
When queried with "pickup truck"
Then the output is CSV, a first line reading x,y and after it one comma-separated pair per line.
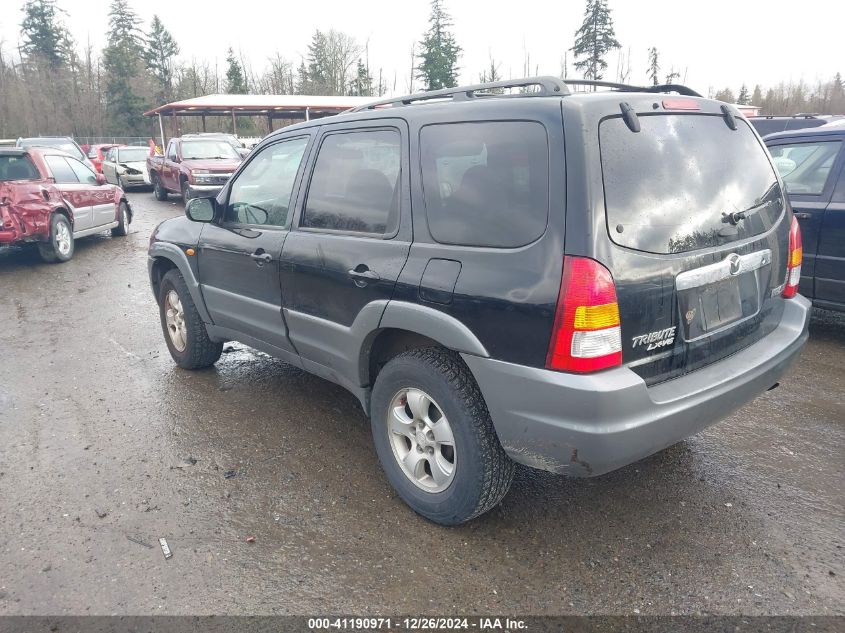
x,y
192,167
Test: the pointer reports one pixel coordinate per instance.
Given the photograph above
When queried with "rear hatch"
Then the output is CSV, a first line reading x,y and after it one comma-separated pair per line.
x,y
696,230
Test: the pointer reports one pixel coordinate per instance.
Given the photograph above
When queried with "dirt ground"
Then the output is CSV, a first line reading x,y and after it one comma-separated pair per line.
x,y
106,446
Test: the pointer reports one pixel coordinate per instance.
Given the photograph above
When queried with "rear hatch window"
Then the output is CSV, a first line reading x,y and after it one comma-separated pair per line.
x,y
679,183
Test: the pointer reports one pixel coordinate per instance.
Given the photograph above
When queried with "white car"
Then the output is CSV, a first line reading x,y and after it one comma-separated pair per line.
x,y
126,166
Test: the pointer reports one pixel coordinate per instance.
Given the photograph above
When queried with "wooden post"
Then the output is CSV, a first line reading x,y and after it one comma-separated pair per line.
x,y
234,123
269,124
203,123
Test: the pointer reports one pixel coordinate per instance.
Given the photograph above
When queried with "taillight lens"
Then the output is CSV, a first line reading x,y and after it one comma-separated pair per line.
x,y
793,264
586,335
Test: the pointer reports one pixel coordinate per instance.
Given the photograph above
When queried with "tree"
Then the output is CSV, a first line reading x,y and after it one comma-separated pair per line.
x,y
439,51
653,66
235,83
123,59
362,84
331,56
594,40
491,74
44,36
757,96
725,95
159,51
743,98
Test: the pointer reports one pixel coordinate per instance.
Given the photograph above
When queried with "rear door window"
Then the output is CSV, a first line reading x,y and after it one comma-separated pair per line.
x,y
355,184
675,186
61,171
805,167
486,184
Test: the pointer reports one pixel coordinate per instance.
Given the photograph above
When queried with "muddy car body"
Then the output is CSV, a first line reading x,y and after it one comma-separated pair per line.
x,y
50,198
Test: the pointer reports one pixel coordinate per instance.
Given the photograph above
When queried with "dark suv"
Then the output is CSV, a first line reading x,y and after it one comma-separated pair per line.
x,y
812,166
571,281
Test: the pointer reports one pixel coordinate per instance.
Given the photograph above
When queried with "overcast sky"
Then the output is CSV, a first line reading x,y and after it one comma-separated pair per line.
x,y
714,44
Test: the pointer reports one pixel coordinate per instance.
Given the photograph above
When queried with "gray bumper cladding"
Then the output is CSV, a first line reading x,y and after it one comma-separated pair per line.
x,y
588,425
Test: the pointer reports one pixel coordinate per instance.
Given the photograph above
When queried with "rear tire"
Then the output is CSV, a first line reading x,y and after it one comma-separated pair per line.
x,y
122,227
475,474
184,330
158,189
59,247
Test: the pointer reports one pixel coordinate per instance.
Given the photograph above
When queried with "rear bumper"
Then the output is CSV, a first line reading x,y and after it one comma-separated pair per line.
x,y
590,425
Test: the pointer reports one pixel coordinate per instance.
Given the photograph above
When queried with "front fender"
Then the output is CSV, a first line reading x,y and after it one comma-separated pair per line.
x,y
173,253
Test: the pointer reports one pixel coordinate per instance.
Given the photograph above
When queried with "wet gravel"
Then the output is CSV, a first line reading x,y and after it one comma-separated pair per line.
x,y
106,446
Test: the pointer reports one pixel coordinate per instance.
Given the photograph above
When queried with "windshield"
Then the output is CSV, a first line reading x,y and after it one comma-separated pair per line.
x,y
17,168
61,143
207,149
132,154
685,182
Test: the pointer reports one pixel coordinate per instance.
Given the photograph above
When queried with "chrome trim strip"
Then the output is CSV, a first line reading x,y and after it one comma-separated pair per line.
x,y
731,266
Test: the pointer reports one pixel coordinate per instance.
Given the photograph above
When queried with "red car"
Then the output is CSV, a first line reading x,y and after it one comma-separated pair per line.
x,y
97,154
50,198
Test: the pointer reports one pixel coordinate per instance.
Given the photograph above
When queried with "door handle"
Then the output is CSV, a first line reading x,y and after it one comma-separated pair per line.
x,y
803,216
362,275
261,258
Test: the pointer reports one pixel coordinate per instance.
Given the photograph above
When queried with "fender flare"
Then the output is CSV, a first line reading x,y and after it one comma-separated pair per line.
x,y
436,325
172,252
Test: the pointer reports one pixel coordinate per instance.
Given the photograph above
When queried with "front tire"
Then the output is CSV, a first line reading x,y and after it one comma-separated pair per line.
x,y
59,247
435,439
122,227
184,331
186,192
158,189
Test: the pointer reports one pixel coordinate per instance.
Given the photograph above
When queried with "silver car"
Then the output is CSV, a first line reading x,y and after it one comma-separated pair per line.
x,y
127,166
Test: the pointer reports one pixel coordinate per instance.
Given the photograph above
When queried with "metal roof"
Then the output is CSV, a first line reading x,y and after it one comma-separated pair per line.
x,y
277,106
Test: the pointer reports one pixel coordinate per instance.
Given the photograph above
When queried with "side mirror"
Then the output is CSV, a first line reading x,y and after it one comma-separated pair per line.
x,y
201,209
101,179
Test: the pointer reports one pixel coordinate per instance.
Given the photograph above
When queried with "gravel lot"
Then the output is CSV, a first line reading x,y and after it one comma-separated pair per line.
x,y
106,446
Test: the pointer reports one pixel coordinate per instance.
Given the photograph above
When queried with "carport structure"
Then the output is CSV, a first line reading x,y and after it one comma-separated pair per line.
x,y
287,107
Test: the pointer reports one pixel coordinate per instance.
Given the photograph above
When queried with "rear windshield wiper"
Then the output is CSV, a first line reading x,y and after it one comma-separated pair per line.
x,y
735,217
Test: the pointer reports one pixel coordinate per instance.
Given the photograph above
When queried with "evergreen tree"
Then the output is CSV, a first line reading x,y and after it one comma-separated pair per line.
x,y
159,51
362,84
757,96
235,83
45,39
122,60
303,81
653,66
743,98
725,95
439,51
594,40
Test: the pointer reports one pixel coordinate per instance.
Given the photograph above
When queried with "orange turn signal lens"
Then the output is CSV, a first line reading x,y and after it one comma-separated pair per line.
x,y
190,252
596,317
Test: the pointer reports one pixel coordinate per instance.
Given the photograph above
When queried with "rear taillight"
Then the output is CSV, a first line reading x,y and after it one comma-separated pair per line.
x,y
586,335
793,264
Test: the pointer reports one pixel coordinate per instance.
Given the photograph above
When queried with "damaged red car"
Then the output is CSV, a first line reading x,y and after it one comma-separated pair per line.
x,y
49,198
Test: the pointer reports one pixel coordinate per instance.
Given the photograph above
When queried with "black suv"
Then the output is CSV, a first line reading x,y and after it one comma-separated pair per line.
x,y
571,281
812,166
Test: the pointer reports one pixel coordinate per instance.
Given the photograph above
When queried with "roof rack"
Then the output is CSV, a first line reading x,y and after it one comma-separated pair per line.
x,y
679,88
548,86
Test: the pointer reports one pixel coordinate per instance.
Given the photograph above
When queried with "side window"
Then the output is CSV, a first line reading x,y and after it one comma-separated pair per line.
x,y
839,192
486,184
84,173
111,156
355,184
261,193
171,151
805,167
61,171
